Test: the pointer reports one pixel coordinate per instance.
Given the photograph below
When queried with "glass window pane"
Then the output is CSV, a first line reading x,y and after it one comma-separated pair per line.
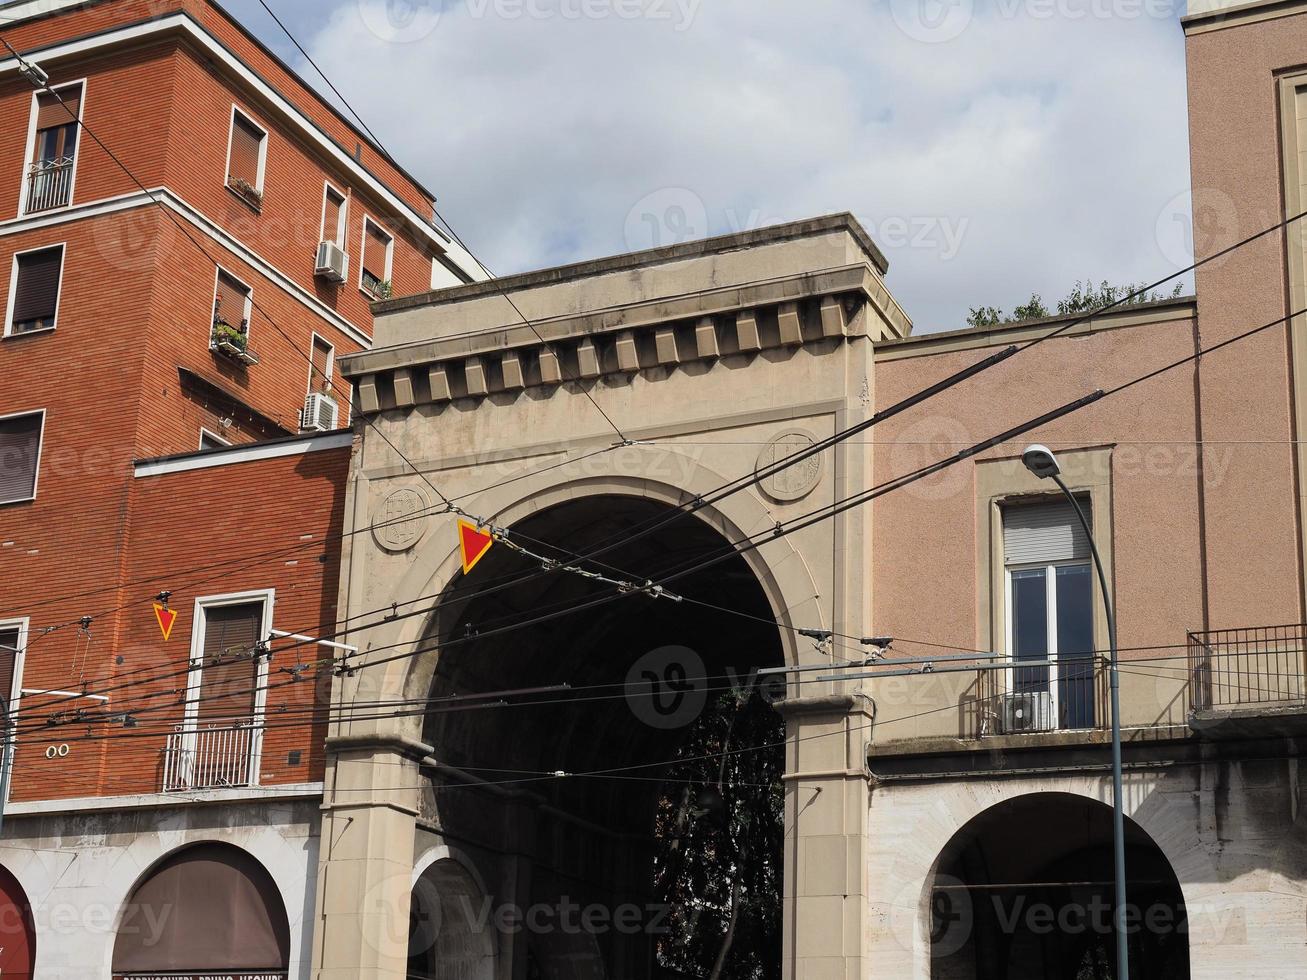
x,y
1075,644
1030,627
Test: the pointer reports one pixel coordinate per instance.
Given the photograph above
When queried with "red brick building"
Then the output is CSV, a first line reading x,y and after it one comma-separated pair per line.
x,y
191,236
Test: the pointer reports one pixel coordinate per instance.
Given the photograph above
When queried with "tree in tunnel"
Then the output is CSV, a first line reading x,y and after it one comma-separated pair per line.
x,y
720,836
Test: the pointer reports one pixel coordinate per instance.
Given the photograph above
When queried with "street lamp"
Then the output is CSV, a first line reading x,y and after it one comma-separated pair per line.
x,y
1042,463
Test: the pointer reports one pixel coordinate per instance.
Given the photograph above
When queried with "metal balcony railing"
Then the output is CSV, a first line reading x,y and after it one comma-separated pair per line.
x,y
1243,668
198,757
49,184
1073,696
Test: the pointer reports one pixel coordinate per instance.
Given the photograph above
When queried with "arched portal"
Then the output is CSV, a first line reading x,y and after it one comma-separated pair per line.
x,y
450,932
17,933
580,862
207,910
1025,890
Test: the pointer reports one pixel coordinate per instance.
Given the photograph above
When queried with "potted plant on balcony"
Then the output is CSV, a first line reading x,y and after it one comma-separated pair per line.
x,y
232,341
251,194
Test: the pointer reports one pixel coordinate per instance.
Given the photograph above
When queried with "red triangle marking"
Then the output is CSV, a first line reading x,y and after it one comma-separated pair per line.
x,y
166,618
474,543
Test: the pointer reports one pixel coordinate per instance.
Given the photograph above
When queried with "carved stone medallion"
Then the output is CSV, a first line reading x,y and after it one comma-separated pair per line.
x,y
794,482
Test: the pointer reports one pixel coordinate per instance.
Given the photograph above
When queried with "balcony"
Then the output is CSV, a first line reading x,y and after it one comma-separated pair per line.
x,y
212,757
1071,695
49,185
232,342
1248,681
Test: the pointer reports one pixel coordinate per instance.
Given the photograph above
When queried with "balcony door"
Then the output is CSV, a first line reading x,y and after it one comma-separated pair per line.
x,y
54,149
218,743
1050,613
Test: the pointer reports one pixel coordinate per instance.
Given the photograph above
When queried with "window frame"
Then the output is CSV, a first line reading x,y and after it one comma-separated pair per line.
x,y
247,314
342,223
206,433
331,366
23,183
40,448
263,149
363,252
21,624
9,330
191,708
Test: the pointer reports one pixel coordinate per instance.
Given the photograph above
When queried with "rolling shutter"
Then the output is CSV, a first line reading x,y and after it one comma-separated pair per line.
x,y
229,673
376,243
1043,534
36,292
331,218
230,301
50,114
20,445
246,142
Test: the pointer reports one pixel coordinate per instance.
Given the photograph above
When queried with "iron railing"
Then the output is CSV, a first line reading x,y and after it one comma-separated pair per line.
x,y
1026,700
1241,668
208,757
49,185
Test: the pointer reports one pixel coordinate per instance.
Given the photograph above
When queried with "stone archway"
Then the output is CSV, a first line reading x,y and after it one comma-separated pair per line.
x,y
450,931
17,932
1025,890
620,685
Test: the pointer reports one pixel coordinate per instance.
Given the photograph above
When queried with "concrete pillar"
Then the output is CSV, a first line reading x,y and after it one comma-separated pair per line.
x,y
826,802
365,878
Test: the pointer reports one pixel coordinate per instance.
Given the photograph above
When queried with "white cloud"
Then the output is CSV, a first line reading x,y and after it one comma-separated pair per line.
x,y
1038,146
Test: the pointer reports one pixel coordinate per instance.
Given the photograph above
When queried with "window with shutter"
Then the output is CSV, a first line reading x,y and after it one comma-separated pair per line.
x,y
333,218
229,673
245,158
1050,594
50,174
320,371
20,452
231,301
36,289
375,277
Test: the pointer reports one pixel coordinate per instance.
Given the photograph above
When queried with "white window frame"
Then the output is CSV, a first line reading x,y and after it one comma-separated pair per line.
x,y
13,289
342,223
390,253
231,136
212,435
331,363
247,314
1050,604
191,714
20,624
31,148
40,447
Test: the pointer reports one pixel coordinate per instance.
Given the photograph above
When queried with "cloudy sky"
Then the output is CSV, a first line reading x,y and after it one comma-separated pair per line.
x,y
992,147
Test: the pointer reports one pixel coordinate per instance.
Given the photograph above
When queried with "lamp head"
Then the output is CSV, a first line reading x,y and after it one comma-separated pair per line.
x,y
1040,461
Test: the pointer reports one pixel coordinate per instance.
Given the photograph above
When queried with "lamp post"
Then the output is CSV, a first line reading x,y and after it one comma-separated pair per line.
x,y
1043,464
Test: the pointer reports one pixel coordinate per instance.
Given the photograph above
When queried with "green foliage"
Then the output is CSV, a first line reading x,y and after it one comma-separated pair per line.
x,y
1084,298
720,841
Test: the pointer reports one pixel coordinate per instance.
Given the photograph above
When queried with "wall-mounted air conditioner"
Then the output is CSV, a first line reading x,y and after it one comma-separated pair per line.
x,y
1026,712
320,413
332,263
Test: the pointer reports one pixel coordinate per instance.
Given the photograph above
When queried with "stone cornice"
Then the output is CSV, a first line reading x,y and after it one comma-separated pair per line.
x,y
1233,15
809,308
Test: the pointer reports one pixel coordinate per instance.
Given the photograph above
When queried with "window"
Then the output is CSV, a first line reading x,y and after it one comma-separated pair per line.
x,y
322,361
13,635
1050,596
34,290
54,149
334,213
246,157
378,253
231,311
208,441
20,454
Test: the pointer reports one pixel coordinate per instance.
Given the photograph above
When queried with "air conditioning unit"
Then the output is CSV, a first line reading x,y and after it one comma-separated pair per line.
x,y
1029,711
332,262
320,413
